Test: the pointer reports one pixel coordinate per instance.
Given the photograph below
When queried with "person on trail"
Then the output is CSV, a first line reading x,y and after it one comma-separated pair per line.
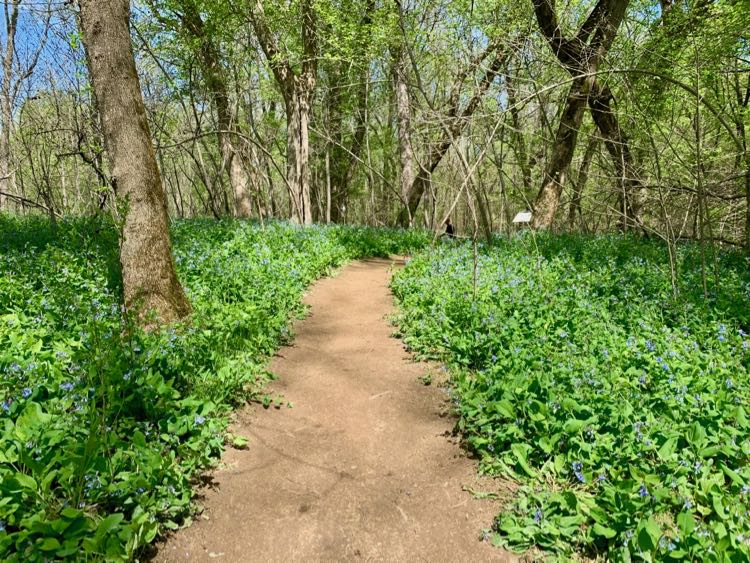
x,y
449,230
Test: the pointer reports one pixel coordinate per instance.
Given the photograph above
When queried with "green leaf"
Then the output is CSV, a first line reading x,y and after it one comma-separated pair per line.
x,y
574,425
686,523
240,442
603,531
668,448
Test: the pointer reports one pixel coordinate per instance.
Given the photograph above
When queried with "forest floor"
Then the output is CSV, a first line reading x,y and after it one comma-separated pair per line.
x,y
362,466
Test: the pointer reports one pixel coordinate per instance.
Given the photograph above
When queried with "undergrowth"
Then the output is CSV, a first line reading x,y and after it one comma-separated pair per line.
x,y
103,428
618,405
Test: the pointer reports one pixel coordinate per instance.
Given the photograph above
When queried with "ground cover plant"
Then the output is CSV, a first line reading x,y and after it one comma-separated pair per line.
x,y
104,428
618,404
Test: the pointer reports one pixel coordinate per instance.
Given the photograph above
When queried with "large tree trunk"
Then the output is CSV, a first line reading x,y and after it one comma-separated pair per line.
x,y
580,55
555,173
298,155
149,279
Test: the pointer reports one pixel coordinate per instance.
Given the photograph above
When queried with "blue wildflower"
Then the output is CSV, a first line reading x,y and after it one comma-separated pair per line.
x,y
26,393
538,515
650,346
67,386
643,491
199,420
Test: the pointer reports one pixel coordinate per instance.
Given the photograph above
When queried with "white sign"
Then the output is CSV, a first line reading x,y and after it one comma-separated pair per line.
x,y
523,217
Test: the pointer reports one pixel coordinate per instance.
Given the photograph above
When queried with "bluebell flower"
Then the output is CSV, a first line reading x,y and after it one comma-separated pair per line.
x,y
745,489
2,526
643,491
26,393
688,504
650,346
126,376
67,386
729,383
199,419
6,405
538,515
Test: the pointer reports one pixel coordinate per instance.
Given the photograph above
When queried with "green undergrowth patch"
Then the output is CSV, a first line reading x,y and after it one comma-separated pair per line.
x,y
103,428
617,403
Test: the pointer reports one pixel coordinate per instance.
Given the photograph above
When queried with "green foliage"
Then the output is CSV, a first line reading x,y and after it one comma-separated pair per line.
x,y
103,429
620,409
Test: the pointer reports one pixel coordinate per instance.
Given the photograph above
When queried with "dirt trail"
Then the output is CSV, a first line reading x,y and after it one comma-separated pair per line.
x,y
360,467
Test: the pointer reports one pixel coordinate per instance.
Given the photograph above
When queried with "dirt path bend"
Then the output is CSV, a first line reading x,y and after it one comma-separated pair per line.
x,y
360,467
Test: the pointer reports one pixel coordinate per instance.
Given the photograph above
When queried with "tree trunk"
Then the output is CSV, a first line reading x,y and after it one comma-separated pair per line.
x,y
519,143
149,279
297,88
555,173
403,120
580,183
457,121
214,76
619,149
298,155
6,100
580,55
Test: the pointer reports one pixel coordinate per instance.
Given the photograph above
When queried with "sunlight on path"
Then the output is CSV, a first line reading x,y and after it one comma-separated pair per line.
x,y
360,467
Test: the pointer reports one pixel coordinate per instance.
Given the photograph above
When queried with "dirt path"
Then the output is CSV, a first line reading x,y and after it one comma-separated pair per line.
x,y
359,468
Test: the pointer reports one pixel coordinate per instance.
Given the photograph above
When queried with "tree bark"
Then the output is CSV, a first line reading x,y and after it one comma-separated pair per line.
x,y
403,121
214,75
556,171
519,143
580,55
150,282
580,182
297,89
457,121
6,100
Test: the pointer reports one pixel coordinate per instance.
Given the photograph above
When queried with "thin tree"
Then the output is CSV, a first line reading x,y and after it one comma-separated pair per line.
x,y
297,87
149,278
